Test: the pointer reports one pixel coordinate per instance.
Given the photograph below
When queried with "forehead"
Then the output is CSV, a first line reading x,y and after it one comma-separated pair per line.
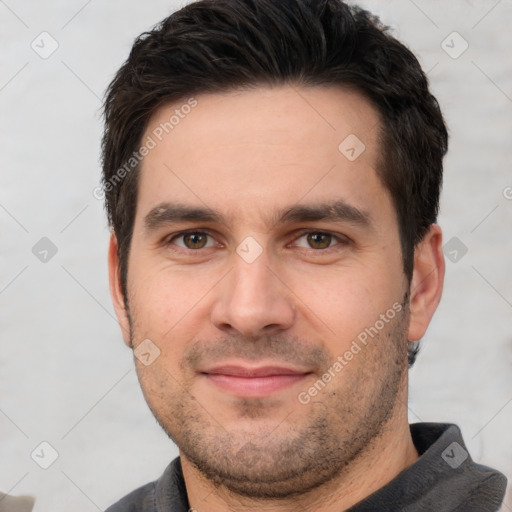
x,y
266,115
259,150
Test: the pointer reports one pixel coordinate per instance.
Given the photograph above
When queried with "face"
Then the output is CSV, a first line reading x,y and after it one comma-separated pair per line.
x,y
265,269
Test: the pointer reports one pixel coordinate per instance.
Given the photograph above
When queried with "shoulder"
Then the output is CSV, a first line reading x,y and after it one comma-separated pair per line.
x,y
166,493
139,500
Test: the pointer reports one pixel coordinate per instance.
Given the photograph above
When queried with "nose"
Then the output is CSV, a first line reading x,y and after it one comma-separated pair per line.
x,y
253,300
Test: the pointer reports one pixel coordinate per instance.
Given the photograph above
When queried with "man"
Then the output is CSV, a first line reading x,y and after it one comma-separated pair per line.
x,y
272,174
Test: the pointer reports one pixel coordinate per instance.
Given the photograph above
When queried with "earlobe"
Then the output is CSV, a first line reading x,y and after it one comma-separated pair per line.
x,y
116,291
427,282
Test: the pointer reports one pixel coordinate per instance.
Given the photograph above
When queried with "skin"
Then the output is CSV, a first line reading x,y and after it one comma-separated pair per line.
x,y
249,155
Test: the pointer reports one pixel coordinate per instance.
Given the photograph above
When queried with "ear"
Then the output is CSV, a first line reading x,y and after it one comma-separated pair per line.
x,y
116,292
427,282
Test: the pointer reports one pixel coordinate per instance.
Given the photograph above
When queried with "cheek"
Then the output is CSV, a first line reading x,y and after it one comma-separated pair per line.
x,y
345,299
165,303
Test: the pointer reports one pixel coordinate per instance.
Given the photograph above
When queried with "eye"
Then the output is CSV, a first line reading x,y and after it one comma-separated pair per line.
x,y
318,240
192,240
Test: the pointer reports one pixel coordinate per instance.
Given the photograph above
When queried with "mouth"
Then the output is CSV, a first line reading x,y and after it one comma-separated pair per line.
x,y
257,382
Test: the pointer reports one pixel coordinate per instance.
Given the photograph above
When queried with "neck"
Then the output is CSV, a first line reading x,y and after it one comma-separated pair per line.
x,y
380,463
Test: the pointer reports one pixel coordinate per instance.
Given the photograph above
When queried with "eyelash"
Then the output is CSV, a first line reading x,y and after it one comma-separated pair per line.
x,y
340,239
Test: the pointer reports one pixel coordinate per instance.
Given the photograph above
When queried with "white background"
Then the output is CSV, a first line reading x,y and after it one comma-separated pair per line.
x,y
66,376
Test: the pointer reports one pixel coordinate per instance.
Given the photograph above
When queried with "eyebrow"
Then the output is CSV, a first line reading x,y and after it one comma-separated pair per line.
x,y
337,211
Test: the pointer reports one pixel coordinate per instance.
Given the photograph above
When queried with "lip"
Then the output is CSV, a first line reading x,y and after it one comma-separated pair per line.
x,y
250,381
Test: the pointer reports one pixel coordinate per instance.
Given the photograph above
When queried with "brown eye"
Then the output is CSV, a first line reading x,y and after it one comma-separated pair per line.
x,y
195,240
319,240
189,242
